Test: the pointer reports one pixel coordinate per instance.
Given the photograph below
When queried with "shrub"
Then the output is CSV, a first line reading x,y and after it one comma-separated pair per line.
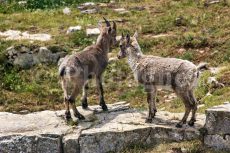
x,y
79,38
191,40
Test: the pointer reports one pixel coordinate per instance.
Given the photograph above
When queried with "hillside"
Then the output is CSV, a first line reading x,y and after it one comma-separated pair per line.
x,y
192,30
195,30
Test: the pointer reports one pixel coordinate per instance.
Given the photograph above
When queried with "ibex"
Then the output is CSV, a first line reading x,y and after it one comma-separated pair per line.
x,y
152,71
75,70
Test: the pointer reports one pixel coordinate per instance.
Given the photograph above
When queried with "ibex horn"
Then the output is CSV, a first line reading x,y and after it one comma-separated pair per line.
x,y
107,22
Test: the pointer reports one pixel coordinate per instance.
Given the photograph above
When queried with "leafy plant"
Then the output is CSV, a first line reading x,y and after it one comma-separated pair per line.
x,y
79,38
12,80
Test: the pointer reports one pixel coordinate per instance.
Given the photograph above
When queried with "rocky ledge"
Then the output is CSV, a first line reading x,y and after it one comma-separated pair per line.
x,y
120,127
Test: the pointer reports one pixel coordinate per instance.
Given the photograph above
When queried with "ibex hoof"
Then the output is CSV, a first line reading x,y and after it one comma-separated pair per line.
x,y
79,116
68,116
191,123
148,120
104,107
84,105
179,125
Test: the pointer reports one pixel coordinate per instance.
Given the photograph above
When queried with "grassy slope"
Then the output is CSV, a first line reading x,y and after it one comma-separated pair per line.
x,y
198,28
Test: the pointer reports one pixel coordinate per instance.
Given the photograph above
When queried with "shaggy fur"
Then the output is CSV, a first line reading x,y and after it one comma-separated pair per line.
x,y
75,70
174,74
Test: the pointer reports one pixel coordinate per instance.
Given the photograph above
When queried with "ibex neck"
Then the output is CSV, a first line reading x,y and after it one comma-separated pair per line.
x,y
103,44
133,57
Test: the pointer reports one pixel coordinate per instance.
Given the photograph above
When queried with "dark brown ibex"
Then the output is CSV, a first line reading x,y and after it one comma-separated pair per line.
x,y
152,71
75,70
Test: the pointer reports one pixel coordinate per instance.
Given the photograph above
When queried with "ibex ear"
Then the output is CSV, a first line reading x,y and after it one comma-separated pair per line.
x,y
122,35
100,26
135,35
108,30
114,26
128,38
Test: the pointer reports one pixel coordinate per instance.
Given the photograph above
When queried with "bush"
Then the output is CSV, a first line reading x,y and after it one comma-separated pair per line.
x,y
11,80
10,7
191,40
79,38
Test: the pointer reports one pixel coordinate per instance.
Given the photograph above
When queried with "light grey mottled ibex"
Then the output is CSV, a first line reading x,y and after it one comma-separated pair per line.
x,y
75,70
152,71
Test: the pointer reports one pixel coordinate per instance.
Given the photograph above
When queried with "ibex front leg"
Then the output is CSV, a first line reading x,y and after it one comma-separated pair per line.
x,y
101,93
151,96
84,102
66,102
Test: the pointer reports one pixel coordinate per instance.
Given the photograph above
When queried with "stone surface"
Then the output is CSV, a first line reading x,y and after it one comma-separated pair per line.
x,y
37,132
219,142
212,1
26,57
29,144
73,29
93,31
159,35
66,11
18,35
121,10
101,131
217,126
89,11
119,130
218,119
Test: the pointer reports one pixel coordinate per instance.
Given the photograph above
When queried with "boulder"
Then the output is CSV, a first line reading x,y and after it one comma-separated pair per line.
x,y
18,35
73,29
66,11
26,57
121,10
101,132
93,31
217,126
89,11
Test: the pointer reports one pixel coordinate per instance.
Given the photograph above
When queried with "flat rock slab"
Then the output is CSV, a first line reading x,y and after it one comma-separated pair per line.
x,y
218,127
18,35
101,132
93,31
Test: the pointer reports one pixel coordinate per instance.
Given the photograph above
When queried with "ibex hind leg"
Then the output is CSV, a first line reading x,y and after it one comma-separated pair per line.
x,y
151,96
71,100
193,103
66,102
84,102
186,100
101,93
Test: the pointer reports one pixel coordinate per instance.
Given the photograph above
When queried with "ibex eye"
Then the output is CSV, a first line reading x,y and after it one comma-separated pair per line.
x,y
120,46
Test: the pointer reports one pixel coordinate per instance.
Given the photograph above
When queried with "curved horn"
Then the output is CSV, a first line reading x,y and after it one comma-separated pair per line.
x,y
128,38
107,22
114,26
